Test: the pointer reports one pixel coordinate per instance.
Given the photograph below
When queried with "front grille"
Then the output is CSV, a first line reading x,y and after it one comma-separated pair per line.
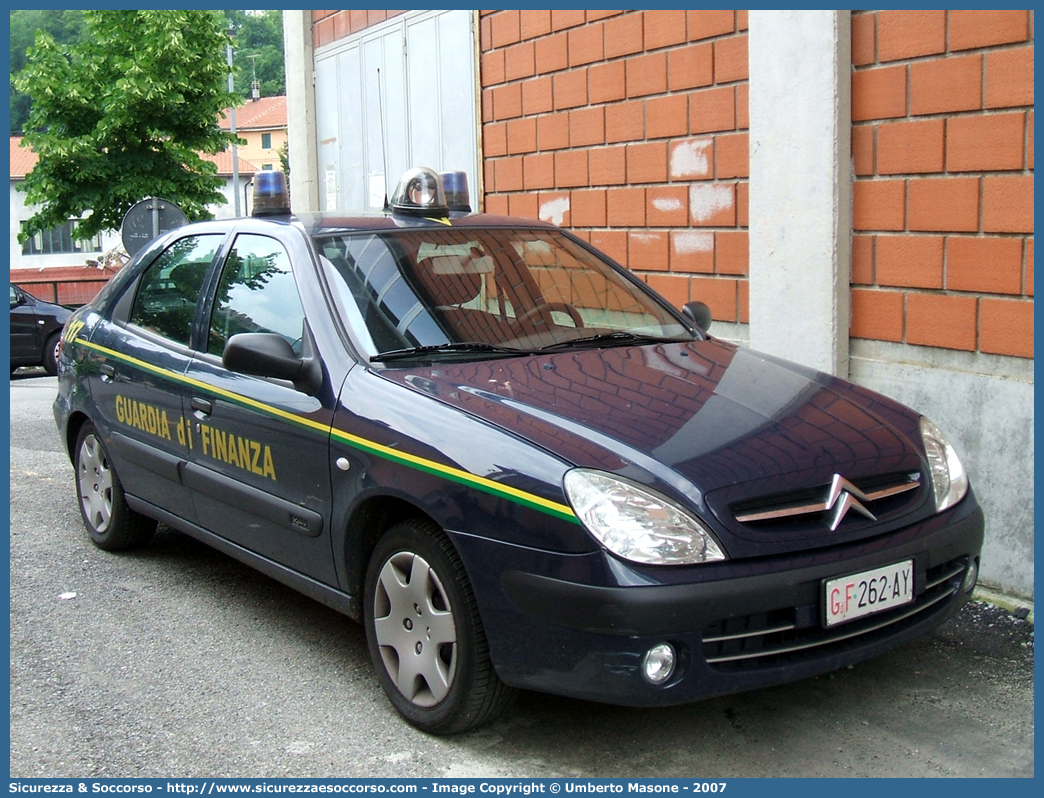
x,y
795,634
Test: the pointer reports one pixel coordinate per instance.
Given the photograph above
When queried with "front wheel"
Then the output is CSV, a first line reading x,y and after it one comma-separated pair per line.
x,y
50,353
424,633
111,523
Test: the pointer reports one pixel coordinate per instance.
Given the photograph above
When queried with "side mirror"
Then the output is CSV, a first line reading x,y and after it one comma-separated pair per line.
x,y
699,313
16,299
270,355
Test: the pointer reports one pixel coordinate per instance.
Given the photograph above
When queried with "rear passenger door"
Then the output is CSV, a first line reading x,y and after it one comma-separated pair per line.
x,y
260,463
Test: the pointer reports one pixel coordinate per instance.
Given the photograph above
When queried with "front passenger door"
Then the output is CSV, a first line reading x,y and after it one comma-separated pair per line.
x,y
260,473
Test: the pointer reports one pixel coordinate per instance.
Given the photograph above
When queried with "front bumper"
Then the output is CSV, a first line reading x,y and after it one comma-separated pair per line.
x,y
579,625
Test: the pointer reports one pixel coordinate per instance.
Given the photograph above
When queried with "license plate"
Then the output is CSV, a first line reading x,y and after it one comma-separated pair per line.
x,y
851,597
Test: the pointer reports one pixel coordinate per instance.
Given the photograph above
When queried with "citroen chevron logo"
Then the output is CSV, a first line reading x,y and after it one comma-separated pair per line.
x,y
845,496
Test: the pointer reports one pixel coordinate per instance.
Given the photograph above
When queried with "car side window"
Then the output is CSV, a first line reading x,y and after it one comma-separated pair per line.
x,y
170,288
256,293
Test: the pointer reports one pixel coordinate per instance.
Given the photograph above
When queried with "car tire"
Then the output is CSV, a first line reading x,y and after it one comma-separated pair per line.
x,y
111,523
425,635
50,353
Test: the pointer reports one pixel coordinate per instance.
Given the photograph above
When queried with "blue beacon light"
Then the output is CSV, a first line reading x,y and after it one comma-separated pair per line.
x,y
271,197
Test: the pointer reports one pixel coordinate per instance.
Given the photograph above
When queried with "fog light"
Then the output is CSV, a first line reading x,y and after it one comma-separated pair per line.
x,y
658,663
971,576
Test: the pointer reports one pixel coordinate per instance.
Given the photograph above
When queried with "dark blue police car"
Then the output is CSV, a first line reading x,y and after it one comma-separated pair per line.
x,y
507,457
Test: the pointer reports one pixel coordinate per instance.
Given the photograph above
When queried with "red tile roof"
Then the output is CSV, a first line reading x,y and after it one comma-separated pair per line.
x,y
267,113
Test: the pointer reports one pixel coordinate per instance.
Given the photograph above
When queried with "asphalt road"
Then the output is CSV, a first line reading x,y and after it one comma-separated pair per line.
x,y
177,661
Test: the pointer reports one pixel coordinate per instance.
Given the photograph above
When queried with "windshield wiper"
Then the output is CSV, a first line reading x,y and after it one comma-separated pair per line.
x,y
448,347
618,338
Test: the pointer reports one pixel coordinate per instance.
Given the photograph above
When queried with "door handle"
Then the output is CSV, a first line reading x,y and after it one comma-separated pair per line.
x,y
107,372
203,407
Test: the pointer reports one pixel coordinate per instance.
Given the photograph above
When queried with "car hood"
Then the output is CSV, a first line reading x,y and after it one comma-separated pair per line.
x,y
720,427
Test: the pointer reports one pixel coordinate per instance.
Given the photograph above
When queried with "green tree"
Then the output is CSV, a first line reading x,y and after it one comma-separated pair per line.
x,y
66,26
123,115
259,51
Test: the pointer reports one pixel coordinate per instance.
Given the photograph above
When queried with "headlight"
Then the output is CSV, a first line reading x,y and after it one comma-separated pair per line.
x,y
949,480
637,524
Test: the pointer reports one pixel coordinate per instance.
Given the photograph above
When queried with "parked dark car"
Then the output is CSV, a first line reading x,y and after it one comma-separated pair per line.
x,y
36,330
507,457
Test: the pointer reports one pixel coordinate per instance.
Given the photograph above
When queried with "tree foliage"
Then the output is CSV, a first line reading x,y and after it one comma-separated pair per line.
x,y
123,115
259,51
65,26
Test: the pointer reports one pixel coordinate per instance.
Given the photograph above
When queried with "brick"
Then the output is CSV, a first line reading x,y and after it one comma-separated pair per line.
x,y
743,106
324,32
970,29
730,59
672,287
667,116
1009,78
862,260
585,44
664,27
647,163
944,204
568,18
1007,204
521,136
719,293
667,206
357,20
863,150
505,28
647,250
878,93
712,109
496,204
945,85
1006,327
519,61
537,96
605,82
985,143
1029,267
626,207
491,68
538,171
712,204
487,105
731,252
570,89
986,265
910,147
742,203
941,320
507,101
587,127
692,251
877,315
494,139
612,243
623,35
607,166
864,39
878,205
485,34
603,13
706,24
571,168
489,174
588,208
910,34
744,301
1029,146
552,53
692,159
690,67
524,205
508,174
625,121
646,74
534,23
909,261
732,156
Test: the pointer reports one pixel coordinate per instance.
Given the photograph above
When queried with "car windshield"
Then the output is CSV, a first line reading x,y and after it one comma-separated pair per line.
x,y
470,293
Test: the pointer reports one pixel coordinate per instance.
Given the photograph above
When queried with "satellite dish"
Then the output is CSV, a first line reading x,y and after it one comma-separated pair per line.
x,y
146,220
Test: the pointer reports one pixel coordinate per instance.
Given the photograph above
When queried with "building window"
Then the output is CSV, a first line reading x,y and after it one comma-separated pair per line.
x,y
59,241
266,141
266,167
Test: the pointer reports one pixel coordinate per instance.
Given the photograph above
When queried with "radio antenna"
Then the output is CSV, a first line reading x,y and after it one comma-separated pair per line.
x,y
384,149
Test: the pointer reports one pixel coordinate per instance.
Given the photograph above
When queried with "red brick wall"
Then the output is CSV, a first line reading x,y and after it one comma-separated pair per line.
x,y
942,142
630,128
329,26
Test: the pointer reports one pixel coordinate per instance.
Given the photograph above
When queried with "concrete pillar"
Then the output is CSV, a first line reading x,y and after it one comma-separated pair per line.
x,y
302,146
800,186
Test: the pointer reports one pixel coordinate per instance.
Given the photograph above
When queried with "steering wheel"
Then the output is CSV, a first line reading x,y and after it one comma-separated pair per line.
x,y
548,308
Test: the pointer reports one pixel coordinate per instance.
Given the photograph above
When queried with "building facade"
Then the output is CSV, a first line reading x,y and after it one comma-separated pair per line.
x,y
851,190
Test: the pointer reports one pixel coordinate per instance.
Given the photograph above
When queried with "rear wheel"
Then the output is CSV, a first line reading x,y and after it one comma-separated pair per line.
x,y
50,353
424,633
112,524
